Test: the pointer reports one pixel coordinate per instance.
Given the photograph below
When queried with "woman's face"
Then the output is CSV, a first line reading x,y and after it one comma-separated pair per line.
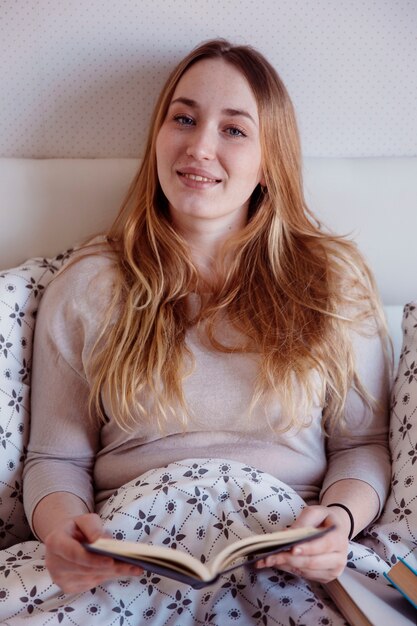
x,y
208,149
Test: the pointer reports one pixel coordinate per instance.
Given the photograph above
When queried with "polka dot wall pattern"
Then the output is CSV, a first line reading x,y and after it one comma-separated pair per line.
x,y
79,79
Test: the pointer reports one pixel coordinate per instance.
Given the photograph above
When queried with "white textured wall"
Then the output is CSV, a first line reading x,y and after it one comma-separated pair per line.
x,y
78,78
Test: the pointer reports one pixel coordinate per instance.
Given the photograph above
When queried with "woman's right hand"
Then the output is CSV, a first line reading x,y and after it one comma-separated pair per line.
x,y
74,569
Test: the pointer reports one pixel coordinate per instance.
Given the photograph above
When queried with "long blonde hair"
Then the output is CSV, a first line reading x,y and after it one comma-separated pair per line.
x,y
292,290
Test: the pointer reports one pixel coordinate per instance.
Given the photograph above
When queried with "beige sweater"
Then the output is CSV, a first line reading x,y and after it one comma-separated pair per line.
x,y
66,453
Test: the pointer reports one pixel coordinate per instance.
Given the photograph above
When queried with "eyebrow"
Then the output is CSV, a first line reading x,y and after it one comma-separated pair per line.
x,y
229,111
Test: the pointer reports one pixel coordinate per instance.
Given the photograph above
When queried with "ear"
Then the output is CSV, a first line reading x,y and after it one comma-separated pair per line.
x,y
262,179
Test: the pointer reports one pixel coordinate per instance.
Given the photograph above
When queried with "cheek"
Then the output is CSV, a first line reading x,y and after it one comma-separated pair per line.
x,y
163,141
249,158
251,168
163,154
158,151
168,151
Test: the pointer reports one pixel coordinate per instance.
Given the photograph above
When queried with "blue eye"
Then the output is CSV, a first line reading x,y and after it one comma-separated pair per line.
x,y
184,120
234,131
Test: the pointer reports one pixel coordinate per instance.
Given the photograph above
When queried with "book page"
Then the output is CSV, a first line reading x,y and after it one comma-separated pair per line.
x,y
159,555
262,545
184,563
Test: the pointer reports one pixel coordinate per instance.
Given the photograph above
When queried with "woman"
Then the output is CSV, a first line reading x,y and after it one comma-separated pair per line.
x,y
218,320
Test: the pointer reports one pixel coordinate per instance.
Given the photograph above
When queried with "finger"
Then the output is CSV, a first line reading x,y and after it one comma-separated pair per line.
x,y
91,526
311,567
124,569
61,571
71,577
79,583
111,569
311,516
118,571
334,542
71,551
320,516
321,575
316,562
324,546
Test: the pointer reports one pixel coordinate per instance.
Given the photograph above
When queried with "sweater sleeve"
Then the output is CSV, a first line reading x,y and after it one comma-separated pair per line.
x,y
63,438
361,451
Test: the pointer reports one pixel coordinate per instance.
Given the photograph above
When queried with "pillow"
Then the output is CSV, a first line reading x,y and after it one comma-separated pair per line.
x,y
395,533
20,291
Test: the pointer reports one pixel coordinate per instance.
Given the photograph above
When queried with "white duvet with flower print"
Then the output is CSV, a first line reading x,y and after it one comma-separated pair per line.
x,y
196,506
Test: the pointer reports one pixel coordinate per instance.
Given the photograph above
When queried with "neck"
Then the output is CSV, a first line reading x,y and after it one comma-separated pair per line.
x,y
206,242
207,255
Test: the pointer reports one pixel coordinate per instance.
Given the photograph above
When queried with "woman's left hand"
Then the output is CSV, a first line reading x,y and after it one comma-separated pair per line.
x,y
322,559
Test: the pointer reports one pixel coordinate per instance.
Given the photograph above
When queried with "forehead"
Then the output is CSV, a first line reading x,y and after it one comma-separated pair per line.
x,y
212,81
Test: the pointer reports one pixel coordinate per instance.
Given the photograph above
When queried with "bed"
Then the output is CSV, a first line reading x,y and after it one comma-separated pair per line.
x,y
46,207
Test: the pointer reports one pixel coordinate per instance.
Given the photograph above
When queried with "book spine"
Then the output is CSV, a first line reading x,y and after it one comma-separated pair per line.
x,y
410,567
400,590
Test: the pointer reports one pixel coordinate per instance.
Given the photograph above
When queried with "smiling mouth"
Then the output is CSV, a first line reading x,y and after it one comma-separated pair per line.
x,y
199,179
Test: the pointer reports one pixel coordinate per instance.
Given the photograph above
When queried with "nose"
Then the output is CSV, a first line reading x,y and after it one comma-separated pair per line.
x,y
202,143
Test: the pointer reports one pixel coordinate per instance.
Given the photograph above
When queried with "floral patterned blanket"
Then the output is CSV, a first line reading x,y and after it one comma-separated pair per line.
x,y
196,506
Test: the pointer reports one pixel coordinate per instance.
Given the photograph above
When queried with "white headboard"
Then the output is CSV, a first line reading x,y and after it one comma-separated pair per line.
x,y
48,205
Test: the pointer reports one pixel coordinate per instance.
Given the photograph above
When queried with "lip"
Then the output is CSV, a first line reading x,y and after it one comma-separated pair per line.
x,y
194,171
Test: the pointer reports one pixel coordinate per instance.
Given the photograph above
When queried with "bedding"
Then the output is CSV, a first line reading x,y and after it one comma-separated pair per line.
x,y
20,291
241,496
197,506
395,532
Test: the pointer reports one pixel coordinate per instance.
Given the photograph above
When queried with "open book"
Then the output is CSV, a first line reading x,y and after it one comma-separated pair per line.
x,y
187,569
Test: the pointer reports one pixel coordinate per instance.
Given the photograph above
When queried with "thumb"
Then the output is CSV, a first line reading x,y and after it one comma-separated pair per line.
x,y
311,516
90,526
